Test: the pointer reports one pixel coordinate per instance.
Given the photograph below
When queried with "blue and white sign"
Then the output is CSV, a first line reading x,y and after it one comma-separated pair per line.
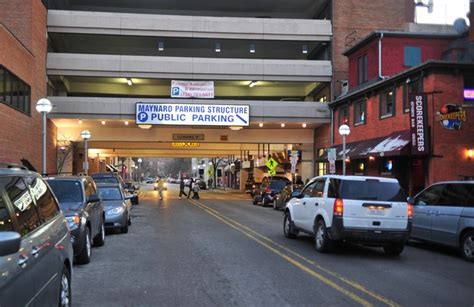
x,y
192,89
191,114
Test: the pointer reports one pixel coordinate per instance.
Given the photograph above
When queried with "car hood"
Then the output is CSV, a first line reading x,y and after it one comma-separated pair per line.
x,y
110,204
70,208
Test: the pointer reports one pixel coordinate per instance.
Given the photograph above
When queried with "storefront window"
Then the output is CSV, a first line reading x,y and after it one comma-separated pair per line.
x,y
322,168
387,166
360,167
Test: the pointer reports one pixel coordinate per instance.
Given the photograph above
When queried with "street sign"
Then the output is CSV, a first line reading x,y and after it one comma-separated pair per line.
x,y
271,164
332,154
272,172
332,167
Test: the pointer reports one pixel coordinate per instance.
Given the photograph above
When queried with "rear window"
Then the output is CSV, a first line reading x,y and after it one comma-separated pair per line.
x,y
277,184
66,191
371,190
106,180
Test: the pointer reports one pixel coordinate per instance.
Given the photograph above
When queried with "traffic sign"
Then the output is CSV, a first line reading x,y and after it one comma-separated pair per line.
x,y
271,164
332,154
332,167
272,172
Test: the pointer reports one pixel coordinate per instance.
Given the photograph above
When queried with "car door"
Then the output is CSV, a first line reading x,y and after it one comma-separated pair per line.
x,y
300,203
92,208
446,215
425,204
310,206
27,275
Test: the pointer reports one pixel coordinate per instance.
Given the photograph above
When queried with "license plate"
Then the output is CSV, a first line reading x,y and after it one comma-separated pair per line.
x,y
377,211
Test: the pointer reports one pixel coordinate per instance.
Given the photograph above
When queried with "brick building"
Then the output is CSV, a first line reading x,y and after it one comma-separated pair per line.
x,y
377,106
23,47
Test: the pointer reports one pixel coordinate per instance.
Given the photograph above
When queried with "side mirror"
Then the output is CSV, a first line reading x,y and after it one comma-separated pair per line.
x,y
410,200
93,198
10,242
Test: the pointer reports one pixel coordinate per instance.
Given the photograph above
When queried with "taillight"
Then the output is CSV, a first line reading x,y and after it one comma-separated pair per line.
x,y
410,211
338,207
268,191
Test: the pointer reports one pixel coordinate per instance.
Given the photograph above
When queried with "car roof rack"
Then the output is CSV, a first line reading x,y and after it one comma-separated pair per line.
x,y
13,166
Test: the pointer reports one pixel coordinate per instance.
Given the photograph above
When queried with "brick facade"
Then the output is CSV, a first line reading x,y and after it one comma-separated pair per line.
x,y
23,48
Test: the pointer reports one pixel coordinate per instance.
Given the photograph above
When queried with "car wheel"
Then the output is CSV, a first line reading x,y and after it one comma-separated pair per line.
x,y
264,202
288,227
65,288
124,229
85,256
99,239
255,202
321,240
467,246
393,249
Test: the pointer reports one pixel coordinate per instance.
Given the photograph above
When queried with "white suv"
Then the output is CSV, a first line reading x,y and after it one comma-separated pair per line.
x,y
368,210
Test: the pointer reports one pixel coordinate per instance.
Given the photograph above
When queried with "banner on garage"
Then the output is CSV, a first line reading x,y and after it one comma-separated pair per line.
x,y
419,124
191,114
192,89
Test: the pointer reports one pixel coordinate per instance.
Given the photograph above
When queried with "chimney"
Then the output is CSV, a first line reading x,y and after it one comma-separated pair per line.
x,y
471,20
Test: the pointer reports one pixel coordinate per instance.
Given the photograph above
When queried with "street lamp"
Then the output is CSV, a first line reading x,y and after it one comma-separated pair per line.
x,y
86,135
139,174
344,130
44,106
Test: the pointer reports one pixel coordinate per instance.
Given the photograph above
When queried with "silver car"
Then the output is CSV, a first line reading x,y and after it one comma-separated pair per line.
x,y
35,246
117,206
444,213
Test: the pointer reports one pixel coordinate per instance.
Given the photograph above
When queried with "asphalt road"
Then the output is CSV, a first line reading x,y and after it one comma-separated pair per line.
x,y
221,250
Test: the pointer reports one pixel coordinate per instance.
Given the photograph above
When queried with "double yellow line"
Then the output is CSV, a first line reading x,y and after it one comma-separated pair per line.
x,y
274,246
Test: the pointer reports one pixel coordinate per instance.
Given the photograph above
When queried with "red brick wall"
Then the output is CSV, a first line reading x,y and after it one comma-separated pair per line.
x,y
23,52
363,16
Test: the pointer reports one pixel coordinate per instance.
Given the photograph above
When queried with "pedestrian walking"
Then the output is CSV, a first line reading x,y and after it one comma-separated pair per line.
x,y
160,186
191,181
196,190
181,187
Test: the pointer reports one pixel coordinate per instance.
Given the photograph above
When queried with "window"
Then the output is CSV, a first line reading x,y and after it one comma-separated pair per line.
x,y
89,189
308,191
360,167
430,196
410,87
343,115
387,103
25,209
14,92
387,166
322,168
360,112
412,56
44,200
333,189
318,189
5,220
363,68
457,195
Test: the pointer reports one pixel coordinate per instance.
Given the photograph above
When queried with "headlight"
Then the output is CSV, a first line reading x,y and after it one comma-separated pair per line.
x,y
165,184
115,211
73,221
156,184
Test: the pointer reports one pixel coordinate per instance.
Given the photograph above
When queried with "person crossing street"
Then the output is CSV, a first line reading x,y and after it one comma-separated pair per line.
x,y
181,187
160,185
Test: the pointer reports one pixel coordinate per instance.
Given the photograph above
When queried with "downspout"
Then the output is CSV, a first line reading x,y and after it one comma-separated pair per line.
x,y
380,56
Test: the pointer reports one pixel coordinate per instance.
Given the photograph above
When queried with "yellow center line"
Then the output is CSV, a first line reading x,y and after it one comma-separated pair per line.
x,y
341,278
299,265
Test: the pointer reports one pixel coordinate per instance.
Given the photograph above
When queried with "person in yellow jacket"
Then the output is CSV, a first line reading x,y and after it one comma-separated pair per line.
x,y
160,184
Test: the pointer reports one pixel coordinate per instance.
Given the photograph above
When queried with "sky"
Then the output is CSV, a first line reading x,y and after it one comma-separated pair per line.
x,y
444,11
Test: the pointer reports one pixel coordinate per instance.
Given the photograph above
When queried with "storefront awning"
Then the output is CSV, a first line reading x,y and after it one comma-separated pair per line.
x,y
396,144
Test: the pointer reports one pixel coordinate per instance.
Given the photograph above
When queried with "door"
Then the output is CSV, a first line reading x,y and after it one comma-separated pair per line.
x,y
299,205
92,208
446,216
425,204
311,205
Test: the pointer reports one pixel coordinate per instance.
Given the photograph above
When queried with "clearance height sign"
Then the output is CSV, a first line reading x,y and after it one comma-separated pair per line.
x,y
419,124
191,114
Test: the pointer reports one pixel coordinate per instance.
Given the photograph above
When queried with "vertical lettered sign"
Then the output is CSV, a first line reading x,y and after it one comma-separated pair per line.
x,y
420,144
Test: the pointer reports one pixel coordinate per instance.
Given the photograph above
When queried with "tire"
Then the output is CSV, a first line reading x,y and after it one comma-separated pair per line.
x,y
254,201
321,239
84,256
65,288
124,229
264,203
275,205
394,249
467,246
99,239
288,228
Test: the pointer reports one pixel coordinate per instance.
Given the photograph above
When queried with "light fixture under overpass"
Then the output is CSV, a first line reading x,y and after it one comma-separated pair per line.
x,y
129,81
145,126
218,47
252,83
161,46
236,128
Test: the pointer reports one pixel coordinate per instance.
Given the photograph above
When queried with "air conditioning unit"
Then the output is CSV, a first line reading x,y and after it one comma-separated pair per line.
x,y
344,87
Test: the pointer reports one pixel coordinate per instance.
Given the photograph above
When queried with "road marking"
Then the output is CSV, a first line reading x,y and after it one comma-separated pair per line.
x,y
327,271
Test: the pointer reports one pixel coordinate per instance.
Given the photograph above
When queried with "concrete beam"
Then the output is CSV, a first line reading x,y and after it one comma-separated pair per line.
x,y
189,26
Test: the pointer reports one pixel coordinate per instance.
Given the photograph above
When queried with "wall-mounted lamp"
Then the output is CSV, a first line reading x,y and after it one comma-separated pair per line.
x,y
304,125
145,126
129,81
305,49
282,125
470,153
260,125
252,83
252,48
218,47
161,46
371,158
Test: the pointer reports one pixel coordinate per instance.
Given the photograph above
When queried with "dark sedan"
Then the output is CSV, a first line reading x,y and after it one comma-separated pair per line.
x,y
117,206
269,190
84,212
286,194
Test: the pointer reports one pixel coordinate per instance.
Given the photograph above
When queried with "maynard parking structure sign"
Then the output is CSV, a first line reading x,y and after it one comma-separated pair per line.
x,y
191,114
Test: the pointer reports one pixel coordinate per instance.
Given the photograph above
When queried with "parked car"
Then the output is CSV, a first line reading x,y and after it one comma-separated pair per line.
x,y
270,188
108,178
132,188
368,210
444,214
202,184
80,203
150,180
255,188
285,195
36,253
117,206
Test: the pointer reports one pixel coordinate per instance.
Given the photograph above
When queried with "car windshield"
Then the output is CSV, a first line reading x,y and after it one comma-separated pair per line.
x,y
371,190
68,192
110,193
105,180
277,184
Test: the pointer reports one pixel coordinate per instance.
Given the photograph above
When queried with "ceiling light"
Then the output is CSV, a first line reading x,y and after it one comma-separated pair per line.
x,y
145,126
305,49
252,48
304,125
80,121
103,122
218,47
161,46
260,125
252,83
129,81
126,123
236,128
282,125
